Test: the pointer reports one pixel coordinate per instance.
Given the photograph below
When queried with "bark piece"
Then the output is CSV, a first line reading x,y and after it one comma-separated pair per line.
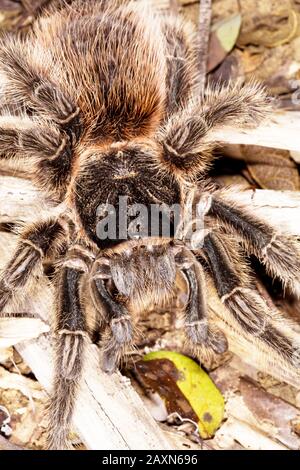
x,y
268,419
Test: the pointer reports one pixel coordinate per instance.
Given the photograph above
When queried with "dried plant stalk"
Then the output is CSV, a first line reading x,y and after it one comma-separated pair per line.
x,y
205,14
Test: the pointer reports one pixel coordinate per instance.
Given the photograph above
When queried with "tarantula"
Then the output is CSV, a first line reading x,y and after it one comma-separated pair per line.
x,y
102,100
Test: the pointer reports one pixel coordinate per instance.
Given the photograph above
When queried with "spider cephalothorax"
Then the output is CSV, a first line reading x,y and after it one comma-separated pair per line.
x,y
117,171
102,100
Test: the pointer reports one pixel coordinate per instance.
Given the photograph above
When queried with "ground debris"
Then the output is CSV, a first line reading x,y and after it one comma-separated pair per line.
x,y
25,401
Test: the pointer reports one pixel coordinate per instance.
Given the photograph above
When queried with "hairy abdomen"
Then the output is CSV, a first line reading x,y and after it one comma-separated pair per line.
x,y
112,61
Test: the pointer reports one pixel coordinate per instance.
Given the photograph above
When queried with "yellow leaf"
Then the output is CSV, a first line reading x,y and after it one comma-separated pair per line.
x,y
227,31
198,389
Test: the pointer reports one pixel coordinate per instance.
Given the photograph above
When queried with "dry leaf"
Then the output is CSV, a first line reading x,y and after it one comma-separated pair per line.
x,y
271,168
269,24
267,168
186,389
277,68
222,40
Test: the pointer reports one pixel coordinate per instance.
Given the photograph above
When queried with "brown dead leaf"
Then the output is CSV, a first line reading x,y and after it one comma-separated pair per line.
x,y
269,420
271,168
278,68
19,15
222,39
220,9
10,13
160,375
25,402
266,168
269,24
272,412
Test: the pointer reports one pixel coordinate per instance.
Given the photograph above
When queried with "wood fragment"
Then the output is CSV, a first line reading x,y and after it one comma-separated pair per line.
x,y
281,132
14,330
246,403
205,13
249,437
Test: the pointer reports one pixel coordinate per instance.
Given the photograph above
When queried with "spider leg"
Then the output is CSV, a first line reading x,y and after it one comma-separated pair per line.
x,y
196,323
186,139
38,119
116,312
71,334
280,253
247,309
28,87
41,142
182,54
37,242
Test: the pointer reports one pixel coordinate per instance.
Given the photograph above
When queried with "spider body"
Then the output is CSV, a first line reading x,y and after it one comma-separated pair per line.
x,y
102,99
121,170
